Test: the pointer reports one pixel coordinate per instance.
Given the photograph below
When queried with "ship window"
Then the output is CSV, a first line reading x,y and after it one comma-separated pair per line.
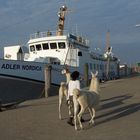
x,y
97,66
53,45
79,53
61,45
32,48
94,66
100,67
90,65
45,46
38,47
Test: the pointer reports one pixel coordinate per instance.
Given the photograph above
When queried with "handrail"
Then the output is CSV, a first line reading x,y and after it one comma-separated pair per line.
x,y
48,33
44,34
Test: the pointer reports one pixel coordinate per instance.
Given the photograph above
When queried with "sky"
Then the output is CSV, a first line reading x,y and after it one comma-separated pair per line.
x,y
90,18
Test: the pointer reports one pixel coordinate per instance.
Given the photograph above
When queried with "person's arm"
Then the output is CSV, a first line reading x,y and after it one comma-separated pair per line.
x,y
78,84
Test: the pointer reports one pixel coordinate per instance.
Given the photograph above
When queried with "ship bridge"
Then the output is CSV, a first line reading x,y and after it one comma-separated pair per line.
x,y
62,49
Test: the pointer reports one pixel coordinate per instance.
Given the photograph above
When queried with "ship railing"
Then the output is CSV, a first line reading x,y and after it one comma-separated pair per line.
x,y
78,38
75,37
97,56
45,34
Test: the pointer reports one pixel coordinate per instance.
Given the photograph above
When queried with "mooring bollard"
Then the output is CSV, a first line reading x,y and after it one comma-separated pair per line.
x,y
0,105
47,80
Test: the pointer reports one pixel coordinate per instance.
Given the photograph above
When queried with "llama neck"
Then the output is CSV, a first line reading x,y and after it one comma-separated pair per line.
x,y
68,77
94,85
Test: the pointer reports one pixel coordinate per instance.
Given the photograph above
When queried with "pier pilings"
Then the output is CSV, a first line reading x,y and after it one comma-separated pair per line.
x,y
47,80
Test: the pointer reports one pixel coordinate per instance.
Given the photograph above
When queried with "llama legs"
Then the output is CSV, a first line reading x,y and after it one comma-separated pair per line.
x,y
80,115
60,105
92,117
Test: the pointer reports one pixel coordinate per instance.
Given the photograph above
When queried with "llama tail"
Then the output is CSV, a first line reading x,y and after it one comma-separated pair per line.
x,y
76,93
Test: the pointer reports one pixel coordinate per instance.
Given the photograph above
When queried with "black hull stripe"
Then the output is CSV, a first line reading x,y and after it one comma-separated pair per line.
x,y
23,78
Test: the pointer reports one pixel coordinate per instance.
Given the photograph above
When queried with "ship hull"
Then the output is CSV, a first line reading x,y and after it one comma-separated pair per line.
x,y
30,70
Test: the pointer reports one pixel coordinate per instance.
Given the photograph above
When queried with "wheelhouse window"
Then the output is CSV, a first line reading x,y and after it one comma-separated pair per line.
x,y
38,47
61,45
94,66
53,45
97,66
90,65
45,46
79,53
100,67
32,48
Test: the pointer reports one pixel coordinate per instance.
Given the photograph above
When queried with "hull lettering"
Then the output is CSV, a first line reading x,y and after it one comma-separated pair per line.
x,y
21,67
10,66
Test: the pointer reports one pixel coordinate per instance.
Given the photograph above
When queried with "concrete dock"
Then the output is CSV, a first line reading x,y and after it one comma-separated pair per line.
x,y
117,119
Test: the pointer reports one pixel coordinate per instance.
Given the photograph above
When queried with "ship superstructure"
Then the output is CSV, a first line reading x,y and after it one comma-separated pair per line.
x,y
61,48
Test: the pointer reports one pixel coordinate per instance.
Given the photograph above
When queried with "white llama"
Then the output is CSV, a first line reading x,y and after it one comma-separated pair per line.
x,y
87,99
63,90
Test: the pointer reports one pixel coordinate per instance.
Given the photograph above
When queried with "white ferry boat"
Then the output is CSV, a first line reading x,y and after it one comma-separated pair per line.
x,y
58,49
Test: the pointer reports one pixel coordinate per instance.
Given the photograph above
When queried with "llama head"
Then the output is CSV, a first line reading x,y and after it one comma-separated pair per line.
x,y
64,71
94,75
94,85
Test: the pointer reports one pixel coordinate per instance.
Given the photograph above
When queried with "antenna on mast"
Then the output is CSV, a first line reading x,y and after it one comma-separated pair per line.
x,y
61,15
108,47
65,2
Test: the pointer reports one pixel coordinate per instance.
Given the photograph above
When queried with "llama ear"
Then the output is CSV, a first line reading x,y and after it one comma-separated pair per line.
x,y
92,74
96,73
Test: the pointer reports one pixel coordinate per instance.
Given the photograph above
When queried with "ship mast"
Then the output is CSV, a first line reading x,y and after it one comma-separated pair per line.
x,y
61,15
107,51
107,41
